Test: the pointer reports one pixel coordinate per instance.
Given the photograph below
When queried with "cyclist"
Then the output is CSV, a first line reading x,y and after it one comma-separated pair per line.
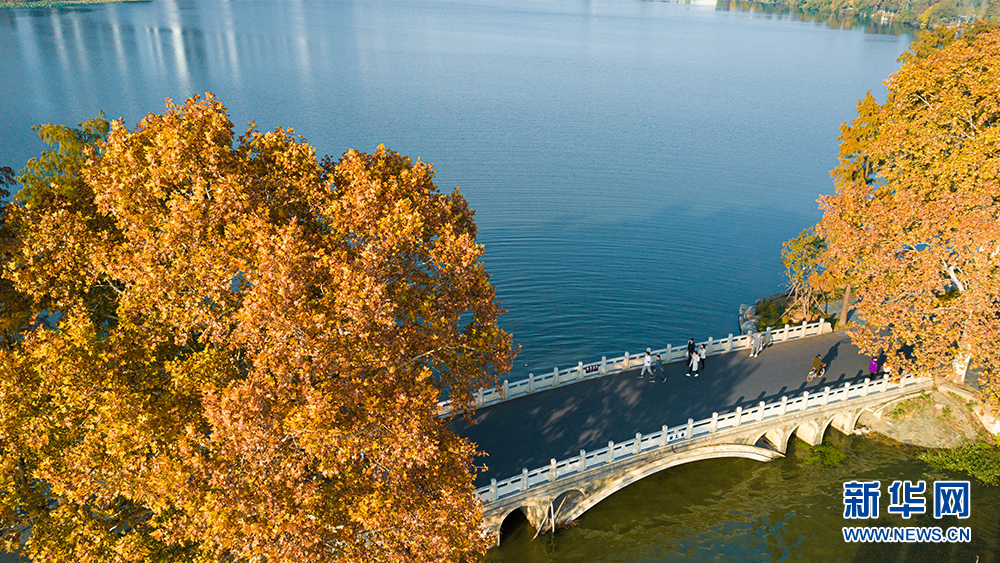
x,y
818,368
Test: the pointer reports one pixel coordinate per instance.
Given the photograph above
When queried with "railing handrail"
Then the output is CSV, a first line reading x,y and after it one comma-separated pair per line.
x,y
758,414
584,372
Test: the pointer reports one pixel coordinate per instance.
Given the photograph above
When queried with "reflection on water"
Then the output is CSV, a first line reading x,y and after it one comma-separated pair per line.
x,y
834,19
742,510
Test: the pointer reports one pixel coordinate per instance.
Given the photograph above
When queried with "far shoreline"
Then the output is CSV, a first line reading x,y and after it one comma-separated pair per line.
x,y
61,3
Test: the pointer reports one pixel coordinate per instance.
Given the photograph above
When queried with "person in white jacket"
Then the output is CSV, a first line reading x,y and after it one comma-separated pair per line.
x,y
695,360
647,365
756,344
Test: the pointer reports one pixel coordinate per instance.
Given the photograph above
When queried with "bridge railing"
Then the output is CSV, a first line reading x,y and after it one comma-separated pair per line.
x,y
607,366
624,451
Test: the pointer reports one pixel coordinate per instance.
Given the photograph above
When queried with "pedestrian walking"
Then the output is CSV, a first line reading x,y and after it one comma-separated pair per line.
x,y
658,368
873,366
693,364
702,354
647,366
756,344
818,368
690,349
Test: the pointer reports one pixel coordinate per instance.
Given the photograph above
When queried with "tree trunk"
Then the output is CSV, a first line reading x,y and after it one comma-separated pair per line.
x,y
844,307
961,365
962,359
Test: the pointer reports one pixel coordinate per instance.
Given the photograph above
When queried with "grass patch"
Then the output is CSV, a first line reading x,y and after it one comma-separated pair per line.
x,y
826,454
969,404
945,413
978,458
911,405
771,313
776,314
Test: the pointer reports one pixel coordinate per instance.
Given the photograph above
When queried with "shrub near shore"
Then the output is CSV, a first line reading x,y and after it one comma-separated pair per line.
x,y
978,458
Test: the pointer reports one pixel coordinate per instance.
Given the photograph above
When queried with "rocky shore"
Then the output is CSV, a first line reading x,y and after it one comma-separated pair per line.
x,y
946,417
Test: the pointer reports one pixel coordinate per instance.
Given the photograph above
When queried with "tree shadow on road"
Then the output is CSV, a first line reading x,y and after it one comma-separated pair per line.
x,y
527,432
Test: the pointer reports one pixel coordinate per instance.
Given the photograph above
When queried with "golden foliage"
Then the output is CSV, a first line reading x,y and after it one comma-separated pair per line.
x,y
802,258
251,346
914,221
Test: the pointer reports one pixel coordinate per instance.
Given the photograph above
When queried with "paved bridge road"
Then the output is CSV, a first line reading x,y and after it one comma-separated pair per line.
x,y
558,423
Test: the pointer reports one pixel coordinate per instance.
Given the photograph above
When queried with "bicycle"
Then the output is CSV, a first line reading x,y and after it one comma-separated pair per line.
x,y
813,374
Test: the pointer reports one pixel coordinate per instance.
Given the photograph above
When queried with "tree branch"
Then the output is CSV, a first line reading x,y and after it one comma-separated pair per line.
x,y
950,269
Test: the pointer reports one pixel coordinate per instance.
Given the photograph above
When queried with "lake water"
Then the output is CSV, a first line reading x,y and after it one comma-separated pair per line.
x,y
738,510
634,166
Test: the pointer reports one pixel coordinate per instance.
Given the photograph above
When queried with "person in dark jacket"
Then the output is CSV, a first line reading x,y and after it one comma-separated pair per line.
x,y
818,368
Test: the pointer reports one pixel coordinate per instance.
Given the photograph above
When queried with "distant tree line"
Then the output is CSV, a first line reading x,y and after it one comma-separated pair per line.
x,y
913,14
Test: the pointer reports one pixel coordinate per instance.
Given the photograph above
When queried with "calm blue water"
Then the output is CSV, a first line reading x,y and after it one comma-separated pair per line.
x,y
634,166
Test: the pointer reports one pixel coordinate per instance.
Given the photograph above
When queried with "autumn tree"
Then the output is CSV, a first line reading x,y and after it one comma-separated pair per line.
x,y
802,258
250,348
914,221
15,307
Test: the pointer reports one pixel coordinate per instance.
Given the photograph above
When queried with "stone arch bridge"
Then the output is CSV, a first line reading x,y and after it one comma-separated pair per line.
x,y
563,490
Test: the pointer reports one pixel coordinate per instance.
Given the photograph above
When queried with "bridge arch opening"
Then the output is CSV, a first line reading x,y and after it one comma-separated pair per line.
x,y
764,442
565,503
514,523
618,481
